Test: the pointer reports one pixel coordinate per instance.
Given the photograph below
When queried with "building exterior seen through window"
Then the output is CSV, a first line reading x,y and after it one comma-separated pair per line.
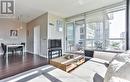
x,y
100,31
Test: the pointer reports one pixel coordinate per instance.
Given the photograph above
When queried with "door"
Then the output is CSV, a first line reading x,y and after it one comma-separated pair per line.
x,y
69,36
75,35
37,40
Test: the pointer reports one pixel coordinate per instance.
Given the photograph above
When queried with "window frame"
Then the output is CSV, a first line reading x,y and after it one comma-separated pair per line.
x,y
104,22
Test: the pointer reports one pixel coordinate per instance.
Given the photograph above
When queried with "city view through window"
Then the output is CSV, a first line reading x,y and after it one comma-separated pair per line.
x,y
105,33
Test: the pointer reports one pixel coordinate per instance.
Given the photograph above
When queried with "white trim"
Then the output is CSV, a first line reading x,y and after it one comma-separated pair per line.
x,y
43,56
38,55
29,52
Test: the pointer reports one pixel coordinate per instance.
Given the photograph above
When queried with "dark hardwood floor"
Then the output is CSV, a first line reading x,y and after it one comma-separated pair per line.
x,y
18,63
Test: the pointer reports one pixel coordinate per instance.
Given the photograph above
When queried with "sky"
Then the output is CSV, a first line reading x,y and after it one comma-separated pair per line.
x,y
118,24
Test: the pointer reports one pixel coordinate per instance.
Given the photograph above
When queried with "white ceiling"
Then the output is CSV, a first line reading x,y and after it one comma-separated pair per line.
x,y
31,9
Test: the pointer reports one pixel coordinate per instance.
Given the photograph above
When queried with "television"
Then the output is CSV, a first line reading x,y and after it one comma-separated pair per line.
x,y
54,43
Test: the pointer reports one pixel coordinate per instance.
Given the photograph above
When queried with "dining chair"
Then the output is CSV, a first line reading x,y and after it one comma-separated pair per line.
x,y
5,50
20,48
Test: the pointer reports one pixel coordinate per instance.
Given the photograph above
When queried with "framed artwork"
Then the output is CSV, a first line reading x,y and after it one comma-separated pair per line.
x,y
13,33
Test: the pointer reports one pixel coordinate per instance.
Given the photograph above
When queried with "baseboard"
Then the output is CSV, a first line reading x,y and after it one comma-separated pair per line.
x,y
30,52
43,56
39,55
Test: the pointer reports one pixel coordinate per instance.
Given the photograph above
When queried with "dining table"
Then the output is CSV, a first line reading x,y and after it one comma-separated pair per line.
x,y
13,46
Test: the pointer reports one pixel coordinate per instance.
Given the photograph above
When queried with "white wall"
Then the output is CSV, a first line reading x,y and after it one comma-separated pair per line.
x,y
11,24
46,32
53,32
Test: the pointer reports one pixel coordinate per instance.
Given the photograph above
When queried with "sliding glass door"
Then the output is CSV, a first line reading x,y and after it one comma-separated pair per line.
x,y
75,35
79,35
94,35
69,36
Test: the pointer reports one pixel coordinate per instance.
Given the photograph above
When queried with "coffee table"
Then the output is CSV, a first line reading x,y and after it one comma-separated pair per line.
x,y
68,64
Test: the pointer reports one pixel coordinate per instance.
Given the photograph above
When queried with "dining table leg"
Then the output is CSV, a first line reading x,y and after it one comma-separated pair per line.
x,y
7,52
7,61
23,50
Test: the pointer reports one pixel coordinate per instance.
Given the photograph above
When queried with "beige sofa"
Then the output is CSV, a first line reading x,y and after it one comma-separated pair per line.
x,y
94,70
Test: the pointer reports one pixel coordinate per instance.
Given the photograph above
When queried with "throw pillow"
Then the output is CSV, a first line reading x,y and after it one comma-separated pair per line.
x,y
113,67
124,71
123,57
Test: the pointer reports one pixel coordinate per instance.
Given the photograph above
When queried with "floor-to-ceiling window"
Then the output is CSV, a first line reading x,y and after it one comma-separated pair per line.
x,y
75,35
116,30
94,30
79,34
103,29
69,36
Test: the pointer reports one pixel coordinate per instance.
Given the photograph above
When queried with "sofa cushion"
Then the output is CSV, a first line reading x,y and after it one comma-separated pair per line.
x,y
92,70
117,79
104,55
97,60
85,74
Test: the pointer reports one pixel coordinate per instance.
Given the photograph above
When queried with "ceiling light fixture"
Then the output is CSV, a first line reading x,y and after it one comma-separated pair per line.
x,y
20,24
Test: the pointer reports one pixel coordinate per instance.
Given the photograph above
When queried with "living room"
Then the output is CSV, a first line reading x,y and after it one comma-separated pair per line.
x,y
64,41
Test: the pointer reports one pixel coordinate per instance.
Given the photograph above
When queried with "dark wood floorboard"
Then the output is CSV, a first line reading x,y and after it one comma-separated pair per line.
x,y
18,63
